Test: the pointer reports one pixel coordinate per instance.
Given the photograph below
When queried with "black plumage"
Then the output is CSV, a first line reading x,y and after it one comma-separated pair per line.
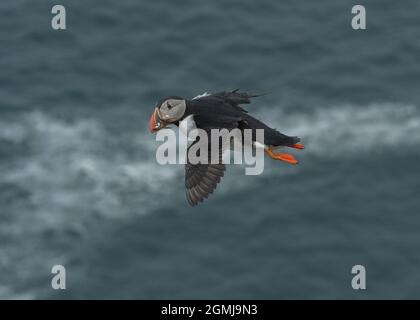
x,y
222,111
202,179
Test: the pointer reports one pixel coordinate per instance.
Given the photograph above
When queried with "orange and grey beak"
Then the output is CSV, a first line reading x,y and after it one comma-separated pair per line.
x,y
155,124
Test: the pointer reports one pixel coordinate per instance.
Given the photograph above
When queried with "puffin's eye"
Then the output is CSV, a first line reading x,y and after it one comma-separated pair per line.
x,y
169,106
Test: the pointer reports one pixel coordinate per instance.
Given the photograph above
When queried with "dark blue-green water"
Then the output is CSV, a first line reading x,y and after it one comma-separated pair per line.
x,y
79,184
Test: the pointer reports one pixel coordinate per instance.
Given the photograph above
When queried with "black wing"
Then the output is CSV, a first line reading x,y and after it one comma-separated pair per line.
x,y
219,110
233,98
202,179
222,110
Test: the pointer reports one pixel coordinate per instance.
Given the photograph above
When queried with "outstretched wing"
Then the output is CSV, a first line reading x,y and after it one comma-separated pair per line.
x,y
202,179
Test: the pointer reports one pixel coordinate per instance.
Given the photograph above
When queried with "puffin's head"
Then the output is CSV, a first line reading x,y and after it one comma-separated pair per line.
x,y
167,111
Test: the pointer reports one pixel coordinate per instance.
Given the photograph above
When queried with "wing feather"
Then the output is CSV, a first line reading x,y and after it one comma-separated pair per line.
x,y
201,179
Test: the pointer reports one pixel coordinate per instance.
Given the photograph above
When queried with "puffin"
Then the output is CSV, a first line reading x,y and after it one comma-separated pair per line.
x,y
220,110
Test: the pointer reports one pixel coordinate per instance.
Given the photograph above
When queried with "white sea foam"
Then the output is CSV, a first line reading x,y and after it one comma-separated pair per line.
x,y
61,176
80,163
347,129
69,173
74,165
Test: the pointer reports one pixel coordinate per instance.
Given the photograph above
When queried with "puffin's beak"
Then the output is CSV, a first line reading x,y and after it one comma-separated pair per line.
x,y
154,122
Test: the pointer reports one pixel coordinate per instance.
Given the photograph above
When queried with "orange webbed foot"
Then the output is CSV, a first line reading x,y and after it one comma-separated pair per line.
x,y
297,146
282,156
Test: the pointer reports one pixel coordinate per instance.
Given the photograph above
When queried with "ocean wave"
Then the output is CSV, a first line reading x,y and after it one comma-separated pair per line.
x,y
8,293
70,170
78,166
349,129
60,176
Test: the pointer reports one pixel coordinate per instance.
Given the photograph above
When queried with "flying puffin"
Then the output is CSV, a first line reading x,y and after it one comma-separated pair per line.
x,y
216,111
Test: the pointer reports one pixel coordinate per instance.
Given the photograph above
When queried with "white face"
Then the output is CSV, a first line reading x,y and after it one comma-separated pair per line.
x,y
172,110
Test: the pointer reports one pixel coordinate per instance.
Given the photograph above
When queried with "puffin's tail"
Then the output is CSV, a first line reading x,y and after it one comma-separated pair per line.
x,y
294,143
287,141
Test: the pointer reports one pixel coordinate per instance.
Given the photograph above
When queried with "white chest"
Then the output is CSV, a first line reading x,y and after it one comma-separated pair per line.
x,y
187,125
